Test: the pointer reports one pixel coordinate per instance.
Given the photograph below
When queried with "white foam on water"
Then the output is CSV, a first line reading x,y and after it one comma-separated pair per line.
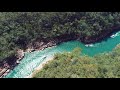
x,y
115,35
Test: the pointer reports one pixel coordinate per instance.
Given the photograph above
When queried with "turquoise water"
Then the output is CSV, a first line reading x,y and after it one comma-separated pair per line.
x,y
33,60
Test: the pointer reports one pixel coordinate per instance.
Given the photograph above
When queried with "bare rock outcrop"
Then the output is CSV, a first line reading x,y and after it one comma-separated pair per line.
x,y
20,54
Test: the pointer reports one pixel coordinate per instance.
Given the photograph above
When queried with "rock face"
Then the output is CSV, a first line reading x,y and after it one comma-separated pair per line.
x,y
29,50
20,54
11,62
98,38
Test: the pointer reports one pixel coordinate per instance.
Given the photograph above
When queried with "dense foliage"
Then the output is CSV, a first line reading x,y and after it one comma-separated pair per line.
x,y
18,29
74,65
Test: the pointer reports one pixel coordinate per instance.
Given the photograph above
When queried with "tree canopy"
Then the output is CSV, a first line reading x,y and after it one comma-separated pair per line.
x,y
74,65
18,29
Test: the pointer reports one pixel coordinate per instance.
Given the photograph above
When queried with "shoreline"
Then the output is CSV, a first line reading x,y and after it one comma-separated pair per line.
x,y
40,66
6,70
57,41
102,36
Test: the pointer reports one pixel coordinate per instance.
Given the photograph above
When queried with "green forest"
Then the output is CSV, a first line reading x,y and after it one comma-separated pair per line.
x,y
74,65
19,29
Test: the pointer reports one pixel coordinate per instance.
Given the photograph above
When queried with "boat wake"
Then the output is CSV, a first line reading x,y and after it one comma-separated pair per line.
x,y
115,35
89,45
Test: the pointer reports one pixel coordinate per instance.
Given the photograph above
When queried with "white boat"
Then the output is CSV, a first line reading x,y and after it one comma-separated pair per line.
x,y
86,45
89,45
44,57
117,34
112,36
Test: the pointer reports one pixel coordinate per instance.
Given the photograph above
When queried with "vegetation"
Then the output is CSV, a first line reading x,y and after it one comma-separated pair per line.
x,y
74,65
19,29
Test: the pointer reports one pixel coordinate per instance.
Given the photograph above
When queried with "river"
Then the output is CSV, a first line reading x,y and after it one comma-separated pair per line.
x,y
33,60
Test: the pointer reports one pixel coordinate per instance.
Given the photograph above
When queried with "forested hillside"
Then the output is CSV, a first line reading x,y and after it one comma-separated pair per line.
x,y
74,65
18,30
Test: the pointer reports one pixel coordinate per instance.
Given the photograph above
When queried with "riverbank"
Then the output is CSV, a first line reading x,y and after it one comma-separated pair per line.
x,y
11,62
100,37
47,60
6,67
34,59
41,45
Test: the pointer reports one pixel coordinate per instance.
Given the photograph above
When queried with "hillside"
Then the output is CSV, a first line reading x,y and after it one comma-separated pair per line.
x,y
21,31
74,65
